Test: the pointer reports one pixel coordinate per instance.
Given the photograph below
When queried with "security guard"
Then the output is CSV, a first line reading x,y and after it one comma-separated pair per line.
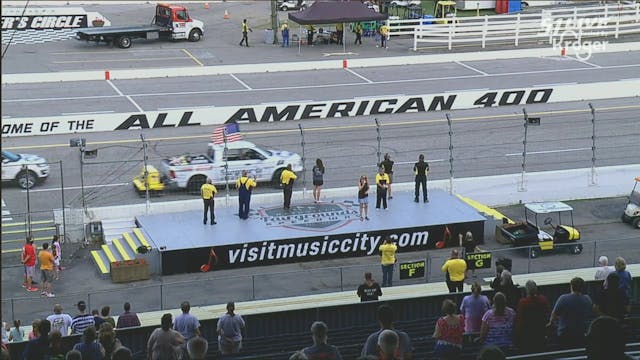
x,y
286,179
339,32
245,33
382,184
310,30
421,169
244,184
208,191
358,30
284,30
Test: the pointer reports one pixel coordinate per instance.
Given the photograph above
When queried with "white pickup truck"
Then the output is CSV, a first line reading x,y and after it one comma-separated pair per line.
x,y
25,169
191,171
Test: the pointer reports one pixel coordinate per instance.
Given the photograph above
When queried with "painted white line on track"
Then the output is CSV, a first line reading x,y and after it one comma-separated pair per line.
x,y
78,187
630,79
89,112
134,103
360,76
241,82
378,96
406,162
584,62
115,88
324,85
555,84
548,151
471,68
187,107
463,90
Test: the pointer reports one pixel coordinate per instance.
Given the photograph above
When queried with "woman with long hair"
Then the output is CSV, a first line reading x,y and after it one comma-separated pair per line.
x,y
318,179
497,323
363,197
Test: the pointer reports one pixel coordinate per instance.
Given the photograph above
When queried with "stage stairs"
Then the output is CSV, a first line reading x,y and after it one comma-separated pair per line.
x,y
119,248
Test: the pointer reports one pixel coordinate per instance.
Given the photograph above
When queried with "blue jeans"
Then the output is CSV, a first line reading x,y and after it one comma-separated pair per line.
x,y
285,41
387,275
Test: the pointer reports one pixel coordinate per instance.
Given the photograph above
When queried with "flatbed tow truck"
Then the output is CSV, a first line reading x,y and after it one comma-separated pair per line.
x,y
170,22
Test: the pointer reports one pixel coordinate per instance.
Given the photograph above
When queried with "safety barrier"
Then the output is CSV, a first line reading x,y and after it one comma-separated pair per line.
x,y
557,26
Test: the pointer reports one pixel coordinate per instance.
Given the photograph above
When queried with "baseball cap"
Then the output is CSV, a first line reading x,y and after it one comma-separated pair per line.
x,y
82,305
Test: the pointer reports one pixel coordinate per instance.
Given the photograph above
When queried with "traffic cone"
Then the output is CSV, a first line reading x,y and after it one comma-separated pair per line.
x,y
226,15
206,5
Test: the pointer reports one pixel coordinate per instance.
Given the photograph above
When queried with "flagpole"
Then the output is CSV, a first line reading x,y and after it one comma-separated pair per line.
x,y
226,164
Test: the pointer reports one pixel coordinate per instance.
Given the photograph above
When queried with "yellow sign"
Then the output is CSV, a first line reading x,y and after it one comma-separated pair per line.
x,y
478,260
412,270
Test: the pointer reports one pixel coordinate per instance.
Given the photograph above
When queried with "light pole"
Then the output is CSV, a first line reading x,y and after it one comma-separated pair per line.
x,y
146,172
304,172
80,143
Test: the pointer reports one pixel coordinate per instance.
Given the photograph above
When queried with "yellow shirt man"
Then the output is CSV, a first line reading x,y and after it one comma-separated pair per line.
x,y
456,269
384,30
246,181
287,176
286,179
208,191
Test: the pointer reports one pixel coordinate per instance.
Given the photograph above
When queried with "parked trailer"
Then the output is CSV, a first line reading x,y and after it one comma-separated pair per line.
x,y
171,22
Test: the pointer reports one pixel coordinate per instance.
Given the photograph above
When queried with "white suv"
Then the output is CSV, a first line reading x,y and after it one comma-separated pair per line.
x,y
26,169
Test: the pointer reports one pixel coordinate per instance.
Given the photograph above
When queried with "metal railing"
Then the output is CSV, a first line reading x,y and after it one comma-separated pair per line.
x,y
560,27
168,295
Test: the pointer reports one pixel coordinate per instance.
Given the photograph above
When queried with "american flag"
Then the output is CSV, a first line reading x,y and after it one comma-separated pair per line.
x,y
232,130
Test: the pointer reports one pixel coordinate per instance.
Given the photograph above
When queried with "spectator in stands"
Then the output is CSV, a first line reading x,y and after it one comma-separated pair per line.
x,y
89,347
625,276
604,269
164,342
497,323
97,319
108,340
185,323
60,321
299,355
5,335
573,312
473,308
531,315
385,318
503,282
448,332
122,353
81,321
229,328
491,353
454,270
606,340
104,312
34,333
197,348
74,355
612,300
388,344
57,349
128,318
370,289
320,349
16,334
38,348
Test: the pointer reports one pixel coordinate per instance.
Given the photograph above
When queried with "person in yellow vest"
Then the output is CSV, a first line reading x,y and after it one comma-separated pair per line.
x,y
245,33
310,30
286,179
244,184
284,30
339,32
387,260
384,32
382,184
208,191
455,268
358,30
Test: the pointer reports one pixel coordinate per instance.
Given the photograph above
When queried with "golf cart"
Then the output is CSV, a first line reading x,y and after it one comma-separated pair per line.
x,y
564,237
444,9
631,213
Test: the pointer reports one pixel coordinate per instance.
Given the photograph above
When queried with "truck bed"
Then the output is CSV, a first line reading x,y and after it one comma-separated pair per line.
x,y
113,30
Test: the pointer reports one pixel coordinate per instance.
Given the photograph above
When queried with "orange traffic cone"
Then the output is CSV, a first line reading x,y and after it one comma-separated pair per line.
x,y
206,5
226,15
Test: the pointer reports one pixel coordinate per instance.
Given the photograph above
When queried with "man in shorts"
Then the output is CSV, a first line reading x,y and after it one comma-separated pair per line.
x,y
29,261
46,270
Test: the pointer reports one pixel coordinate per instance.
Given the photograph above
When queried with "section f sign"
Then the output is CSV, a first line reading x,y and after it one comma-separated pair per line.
x,y
569,34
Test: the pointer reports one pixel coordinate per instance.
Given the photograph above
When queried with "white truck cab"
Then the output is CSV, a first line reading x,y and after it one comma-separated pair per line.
x,y
191,171
25,169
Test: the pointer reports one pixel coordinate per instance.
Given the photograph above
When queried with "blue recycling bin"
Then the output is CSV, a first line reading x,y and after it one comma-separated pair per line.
x,y
427,19
514,6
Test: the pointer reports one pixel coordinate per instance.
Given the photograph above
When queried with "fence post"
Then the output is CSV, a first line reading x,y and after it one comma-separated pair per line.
x,y
450,154
304,168
606,13
617,34
13,312
484,31
517,28
161,297
341,280
64,214
593,145
253,287
638,12
523,185
379,140
415,38
428,274
450,35
529,260
26,175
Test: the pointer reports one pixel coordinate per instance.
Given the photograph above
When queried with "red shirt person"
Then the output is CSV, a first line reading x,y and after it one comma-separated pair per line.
x,y
29,262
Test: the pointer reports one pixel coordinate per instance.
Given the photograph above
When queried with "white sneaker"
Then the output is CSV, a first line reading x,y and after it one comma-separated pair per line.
x,y
51,295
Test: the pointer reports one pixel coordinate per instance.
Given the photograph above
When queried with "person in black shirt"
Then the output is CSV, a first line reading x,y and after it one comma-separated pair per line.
x,y
370,290
421,169
387,164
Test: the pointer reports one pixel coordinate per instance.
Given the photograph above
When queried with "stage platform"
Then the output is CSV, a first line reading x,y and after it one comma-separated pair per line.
x,y
306,232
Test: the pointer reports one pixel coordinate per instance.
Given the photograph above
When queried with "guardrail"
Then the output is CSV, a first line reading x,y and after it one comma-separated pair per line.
x,y
560,27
